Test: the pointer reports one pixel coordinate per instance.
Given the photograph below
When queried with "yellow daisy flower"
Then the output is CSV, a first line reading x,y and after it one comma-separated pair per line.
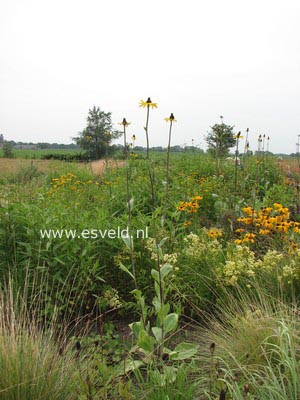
x,y
148,103
238,136
171,118
124,122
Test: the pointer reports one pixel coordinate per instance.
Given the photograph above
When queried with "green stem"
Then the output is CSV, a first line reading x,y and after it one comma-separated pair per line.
x,y
167,174
129,209
235,173
146,129
153,201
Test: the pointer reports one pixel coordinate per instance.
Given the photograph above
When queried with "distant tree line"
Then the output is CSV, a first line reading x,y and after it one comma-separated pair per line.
x,y
44,145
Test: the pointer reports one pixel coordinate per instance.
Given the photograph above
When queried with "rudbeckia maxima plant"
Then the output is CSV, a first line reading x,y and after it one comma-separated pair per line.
x,y
169,120
147,104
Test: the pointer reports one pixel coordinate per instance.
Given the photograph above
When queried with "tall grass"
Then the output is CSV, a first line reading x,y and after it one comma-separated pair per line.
x,y
35,359
256,348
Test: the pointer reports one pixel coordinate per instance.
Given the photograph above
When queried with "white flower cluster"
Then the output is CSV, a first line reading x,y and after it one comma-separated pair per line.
x,y
166,259
112,297
200,247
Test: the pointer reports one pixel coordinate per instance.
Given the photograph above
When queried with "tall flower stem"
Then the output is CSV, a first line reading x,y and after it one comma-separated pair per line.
x,y
125,124
257,172
159,261
171,120
146,129
131,249
297,182
246,143
149,104
245,158
268,145
263,154
236,169
298,153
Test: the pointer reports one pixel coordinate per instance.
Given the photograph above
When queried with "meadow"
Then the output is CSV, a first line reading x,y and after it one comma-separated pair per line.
x,y
33,154
205,306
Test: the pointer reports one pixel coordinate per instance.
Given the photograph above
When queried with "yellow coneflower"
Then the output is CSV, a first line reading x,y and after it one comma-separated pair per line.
x,y
296,229
148,103
197,198
238,136
171,118
294,246
124,122
214,233
187,223
238,241
264,232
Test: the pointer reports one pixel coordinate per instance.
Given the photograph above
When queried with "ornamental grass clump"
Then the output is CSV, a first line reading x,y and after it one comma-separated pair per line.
x,y
34,363
256,350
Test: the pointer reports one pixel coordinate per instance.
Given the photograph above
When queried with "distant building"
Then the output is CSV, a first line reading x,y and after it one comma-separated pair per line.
x,y
1,141
25,146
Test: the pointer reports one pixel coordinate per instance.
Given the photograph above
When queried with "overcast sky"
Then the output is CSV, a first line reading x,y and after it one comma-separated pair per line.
x,y
198,59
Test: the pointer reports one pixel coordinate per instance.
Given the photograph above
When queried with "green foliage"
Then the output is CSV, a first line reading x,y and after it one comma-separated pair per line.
x,y
7,150
169,382
98,134
154,347
220,139
196,267
279,191
26,174
41,153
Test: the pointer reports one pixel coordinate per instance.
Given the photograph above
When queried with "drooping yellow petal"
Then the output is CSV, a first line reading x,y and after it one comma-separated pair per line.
x,y
124,122
171,118
148,103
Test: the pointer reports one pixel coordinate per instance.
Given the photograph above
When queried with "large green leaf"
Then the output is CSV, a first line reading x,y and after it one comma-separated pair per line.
x,y
165,270
155,275
146,342
184,350
162,313
170,322
157,333
130,365
136,327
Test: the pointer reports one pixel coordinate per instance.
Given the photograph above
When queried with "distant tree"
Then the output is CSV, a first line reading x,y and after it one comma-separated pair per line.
x,y
98,134
139,148
7,150
158,148
176,148
220,139
43,145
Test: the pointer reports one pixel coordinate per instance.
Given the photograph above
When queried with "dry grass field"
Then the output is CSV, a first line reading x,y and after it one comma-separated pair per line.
x,y
99,166
12,166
